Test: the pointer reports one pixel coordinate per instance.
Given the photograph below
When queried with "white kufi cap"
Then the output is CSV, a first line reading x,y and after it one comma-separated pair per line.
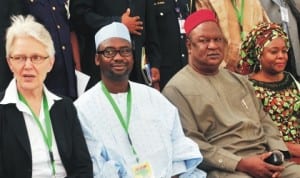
x,y
115,29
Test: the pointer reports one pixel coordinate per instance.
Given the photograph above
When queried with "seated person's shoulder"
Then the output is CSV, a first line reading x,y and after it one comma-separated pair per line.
x,y
64,101
235,75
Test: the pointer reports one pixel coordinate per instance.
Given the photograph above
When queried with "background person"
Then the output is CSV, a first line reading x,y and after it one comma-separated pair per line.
x,y
170,16
88,16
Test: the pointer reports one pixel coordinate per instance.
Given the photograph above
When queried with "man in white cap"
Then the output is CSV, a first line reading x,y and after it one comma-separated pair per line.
x,y
131,129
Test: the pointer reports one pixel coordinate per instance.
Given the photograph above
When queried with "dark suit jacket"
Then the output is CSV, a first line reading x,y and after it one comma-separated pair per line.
x,y
172,42
15,151
88,16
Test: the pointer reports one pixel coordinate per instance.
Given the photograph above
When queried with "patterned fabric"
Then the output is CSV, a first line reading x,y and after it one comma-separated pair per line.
x,y
258,38
282,101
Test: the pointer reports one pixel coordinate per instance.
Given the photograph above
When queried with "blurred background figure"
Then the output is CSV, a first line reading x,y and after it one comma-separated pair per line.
x,y
40,133
54,16
264,56
88,16
170,16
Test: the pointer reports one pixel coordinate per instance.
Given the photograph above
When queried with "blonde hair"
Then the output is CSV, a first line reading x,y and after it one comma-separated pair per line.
x,y
27,26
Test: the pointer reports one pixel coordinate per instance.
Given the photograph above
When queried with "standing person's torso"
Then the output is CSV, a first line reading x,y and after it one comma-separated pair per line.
x,y
172,40
170,16
53,15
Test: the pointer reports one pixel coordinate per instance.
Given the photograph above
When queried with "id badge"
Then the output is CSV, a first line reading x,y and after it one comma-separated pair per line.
x,y
181,27
142,170
284,14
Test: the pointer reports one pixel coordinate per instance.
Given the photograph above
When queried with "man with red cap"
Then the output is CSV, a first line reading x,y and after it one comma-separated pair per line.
x,y
221,113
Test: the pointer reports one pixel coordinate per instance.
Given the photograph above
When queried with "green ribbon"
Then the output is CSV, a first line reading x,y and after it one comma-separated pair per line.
x,y
124,121
47,135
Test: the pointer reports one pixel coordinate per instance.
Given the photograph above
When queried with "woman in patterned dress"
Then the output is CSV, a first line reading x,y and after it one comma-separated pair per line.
x,y
264,56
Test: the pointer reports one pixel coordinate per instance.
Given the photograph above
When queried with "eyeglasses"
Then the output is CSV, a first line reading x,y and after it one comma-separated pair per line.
x,y
35,59
112,52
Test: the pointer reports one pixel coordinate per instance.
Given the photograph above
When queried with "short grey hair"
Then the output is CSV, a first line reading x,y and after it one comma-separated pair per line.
x,y
27,26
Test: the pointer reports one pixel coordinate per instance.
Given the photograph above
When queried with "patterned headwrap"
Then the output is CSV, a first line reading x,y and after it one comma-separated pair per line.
x,y
252,47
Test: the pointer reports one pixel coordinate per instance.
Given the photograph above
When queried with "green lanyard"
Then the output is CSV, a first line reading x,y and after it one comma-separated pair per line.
x,y
124,121
47,136
240,15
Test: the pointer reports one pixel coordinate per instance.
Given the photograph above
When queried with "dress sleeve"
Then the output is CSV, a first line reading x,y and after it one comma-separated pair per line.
x,y
272,133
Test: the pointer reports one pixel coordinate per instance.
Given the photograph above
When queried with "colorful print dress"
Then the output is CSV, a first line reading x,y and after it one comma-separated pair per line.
x,y
282,101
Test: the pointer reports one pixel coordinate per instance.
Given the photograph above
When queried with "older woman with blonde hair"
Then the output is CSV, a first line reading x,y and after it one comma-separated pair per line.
x,y
264,57
40,132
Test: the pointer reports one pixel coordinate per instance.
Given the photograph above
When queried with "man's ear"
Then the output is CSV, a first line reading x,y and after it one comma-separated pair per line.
x,y
188,45
97,59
